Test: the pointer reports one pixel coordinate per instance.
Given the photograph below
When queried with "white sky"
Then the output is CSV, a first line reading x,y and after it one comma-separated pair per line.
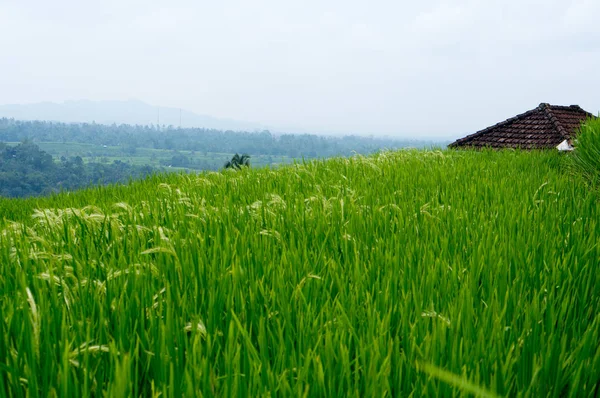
x,y
420,69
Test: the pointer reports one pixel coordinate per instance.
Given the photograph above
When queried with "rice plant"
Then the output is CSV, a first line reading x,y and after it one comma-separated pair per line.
x,y
586,157
435,273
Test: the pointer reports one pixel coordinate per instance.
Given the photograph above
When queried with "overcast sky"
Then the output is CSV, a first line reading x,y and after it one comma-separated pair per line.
x,y
420,69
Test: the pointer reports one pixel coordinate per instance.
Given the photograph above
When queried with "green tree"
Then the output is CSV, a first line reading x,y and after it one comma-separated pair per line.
x,y
237,162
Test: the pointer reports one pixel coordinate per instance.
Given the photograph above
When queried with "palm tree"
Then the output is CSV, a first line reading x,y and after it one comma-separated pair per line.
x,y
238,161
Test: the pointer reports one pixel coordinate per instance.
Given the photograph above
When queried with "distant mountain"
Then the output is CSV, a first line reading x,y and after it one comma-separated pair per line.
x,y
119,112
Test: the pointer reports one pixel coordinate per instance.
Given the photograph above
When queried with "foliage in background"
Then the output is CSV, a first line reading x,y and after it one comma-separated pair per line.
x,y
423,273
195,139
586,156
237,162
25,170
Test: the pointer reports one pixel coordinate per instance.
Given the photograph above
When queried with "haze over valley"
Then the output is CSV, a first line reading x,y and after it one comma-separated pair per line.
x,y
133,112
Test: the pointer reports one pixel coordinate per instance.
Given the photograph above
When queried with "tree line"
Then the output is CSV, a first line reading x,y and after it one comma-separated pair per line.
x,y
25,170
198,139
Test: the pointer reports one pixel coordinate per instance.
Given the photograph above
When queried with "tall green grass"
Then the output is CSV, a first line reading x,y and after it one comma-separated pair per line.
x,y
422,272
586,157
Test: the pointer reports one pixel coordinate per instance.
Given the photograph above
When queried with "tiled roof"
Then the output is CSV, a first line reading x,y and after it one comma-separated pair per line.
x,y
543,127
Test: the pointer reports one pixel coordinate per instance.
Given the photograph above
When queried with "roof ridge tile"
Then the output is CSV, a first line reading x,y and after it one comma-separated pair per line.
x,y
561,130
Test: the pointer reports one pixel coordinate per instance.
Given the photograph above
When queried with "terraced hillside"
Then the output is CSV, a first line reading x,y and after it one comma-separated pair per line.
x,y
423,272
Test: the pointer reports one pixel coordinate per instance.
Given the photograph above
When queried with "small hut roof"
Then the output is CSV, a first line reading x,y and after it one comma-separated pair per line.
x,y
543,127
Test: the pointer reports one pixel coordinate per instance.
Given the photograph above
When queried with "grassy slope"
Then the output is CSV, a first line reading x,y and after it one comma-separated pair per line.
x,y
335,277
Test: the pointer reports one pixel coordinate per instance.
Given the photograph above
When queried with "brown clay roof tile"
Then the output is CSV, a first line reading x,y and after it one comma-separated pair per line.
x,y
543,127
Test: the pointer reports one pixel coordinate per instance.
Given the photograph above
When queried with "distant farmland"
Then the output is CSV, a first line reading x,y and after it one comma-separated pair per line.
x,y
172,148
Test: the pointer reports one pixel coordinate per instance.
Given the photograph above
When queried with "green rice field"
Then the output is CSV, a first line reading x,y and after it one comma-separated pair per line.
x,y
408,273
160,159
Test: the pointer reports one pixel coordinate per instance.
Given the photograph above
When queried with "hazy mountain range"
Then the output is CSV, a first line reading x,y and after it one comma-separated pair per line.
x,y
120,112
